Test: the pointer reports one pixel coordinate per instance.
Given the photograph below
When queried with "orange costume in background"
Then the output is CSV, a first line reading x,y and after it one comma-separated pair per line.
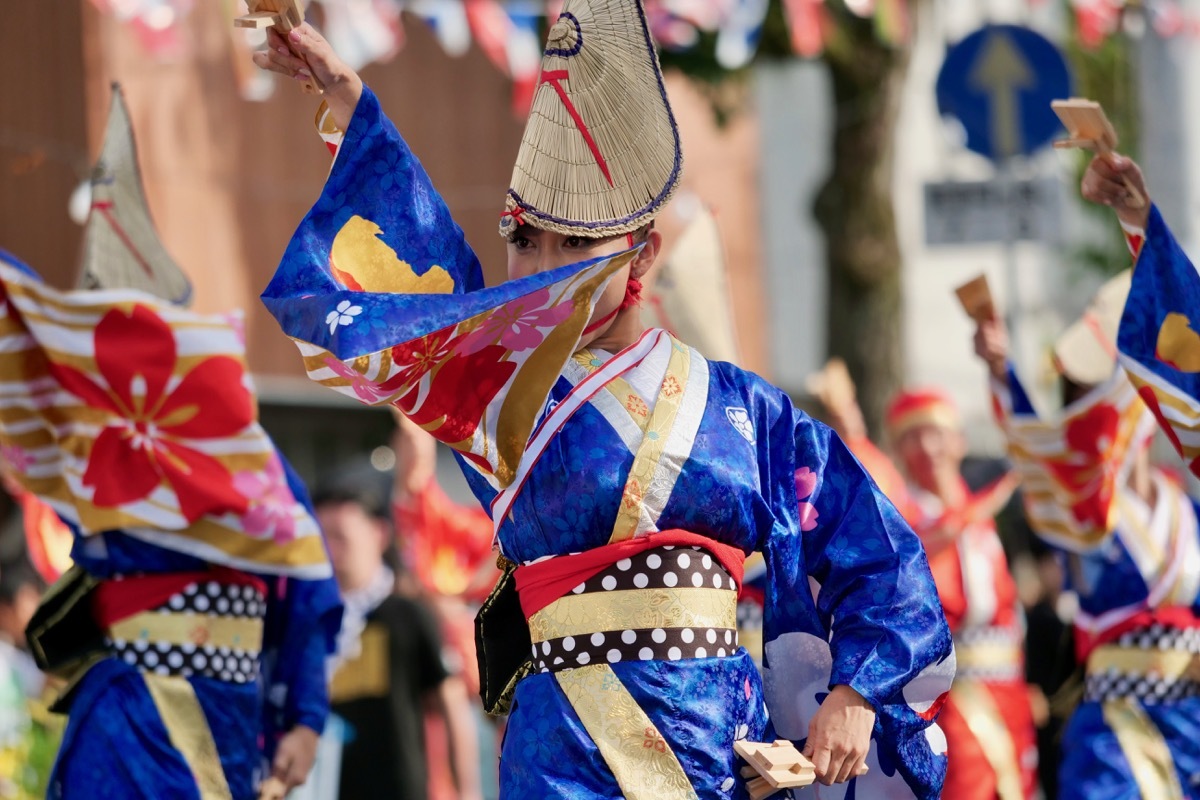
x,y
448,549
988,721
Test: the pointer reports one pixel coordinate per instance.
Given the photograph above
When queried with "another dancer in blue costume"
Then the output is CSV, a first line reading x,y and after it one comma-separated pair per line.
x,y
196,621
626,475
1129,532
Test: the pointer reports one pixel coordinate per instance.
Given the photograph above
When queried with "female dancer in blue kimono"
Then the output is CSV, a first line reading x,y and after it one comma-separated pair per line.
x,y
1129,533
195,624
626,475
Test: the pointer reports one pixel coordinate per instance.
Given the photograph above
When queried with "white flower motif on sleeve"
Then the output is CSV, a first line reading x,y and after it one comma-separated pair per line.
x,y
739,418
343,315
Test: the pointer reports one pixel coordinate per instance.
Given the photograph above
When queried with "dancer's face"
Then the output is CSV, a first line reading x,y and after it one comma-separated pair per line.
x,y
532,251
929,451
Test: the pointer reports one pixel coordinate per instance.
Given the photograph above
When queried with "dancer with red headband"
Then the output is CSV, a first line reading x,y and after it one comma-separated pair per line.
x,y
625,475
1128,531
988,720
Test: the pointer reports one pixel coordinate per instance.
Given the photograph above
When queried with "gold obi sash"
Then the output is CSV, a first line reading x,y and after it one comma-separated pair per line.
x,y
990,654
1152,675
664,603
189,630
1123,678
994,654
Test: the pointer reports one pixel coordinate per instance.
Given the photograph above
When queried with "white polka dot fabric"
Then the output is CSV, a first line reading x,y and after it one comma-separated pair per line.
x,y
662,567
1153,687
189,659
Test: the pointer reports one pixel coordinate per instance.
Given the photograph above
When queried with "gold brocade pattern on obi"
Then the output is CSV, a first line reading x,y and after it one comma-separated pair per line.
x,y
1163,664
635,750
579,615
188,628
986,656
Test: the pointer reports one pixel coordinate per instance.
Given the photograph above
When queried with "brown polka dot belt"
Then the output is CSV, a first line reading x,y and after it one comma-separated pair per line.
x,y
667,603
208,629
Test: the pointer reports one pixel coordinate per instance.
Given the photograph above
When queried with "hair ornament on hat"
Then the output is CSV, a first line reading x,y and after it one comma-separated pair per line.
x,y
601,153
511,219
921,406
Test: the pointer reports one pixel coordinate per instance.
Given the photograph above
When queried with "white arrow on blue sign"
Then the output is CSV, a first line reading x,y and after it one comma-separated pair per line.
x,y
998,82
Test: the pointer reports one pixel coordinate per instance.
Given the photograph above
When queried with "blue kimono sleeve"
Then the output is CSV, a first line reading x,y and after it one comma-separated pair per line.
x,y
303,619
849,592
874,591
1158,342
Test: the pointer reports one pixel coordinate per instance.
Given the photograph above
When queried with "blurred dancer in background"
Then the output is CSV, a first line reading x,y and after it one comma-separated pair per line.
x,y
1129,530
990,733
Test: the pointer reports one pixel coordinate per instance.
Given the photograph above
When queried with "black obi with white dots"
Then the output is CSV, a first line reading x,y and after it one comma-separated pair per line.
x,y
196,611
668,567
1151,684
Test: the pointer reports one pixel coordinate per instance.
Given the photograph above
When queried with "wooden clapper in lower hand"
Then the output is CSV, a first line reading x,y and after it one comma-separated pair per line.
x,y
283,15
1088,128
772,766
272,789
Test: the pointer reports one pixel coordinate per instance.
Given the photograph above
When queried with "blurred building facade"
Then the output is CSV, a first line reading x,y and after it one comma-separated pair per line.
x,y
228,179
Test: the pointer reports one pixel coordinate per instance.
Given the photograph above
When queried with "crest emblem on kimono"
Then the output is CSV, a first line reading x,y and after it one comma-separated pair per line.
x,y
739,418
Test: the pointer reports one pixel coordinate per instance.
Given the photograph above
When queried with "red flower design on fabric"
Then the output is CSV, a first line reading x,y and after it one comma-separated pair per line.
x,y
806,484
417,358
633,496
636,406
366,390
1094,432
460,393
153,417
517,324
1093,509
271,502
1090,482
1090,436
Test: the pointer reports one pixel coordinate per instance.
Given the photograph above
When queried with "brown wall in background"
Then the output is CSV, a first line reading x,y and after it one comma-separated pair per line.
x,y
228,180
44,151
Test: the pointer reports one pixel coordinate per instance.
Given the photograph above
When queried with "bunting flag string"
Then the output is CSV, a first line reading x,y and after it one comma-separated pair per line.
x,y
509,32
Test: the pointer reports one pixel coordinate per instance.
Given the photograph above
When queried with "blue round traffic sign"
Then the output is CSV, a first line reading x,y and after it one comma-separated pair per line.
x,y
998,82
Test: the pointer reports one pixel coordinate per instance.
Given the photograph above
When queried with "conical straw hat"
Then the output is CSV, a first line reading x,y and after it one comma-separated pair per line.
x,y
1087,351
600,155
121,248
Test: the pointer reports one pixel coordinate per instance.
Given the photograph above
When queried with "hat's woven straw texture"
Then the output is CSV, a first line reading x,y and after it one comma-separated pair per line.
x,y
600,155
121,248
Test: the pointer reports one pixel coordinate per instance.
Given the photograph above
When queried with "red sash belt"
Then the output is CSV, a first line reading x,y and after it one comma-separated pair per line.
x,y
542,583
1170,617
121,598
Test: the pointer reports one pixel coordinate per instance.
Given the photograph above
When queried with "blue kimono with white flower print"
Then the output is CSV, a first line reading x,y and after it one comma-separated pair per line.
x,y
850,599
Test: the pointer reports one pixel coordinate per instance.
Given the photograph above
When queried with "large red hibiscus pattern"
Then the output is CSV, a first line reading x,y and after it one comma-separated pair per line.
x,y
156,421
1087,471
